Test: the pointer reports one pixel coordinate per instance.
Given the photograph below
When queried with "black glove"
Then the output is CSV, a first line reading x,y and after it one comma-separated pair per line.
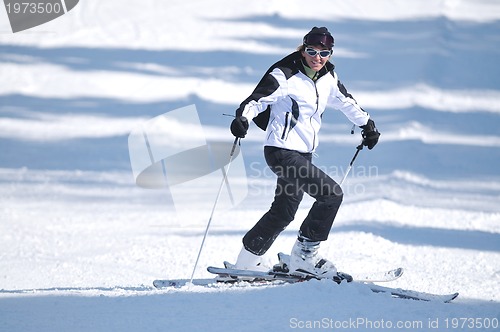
x,y
239,126
370,134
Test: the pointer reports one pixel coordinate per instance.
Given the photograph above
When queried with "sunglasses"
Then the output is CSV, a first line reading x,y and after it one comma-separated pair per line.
x,y
323,53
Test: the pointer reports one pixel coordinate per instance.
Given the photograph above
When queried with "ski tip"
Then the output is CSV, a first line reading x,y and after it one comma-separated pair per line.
x,y
172,283
228,265
452,297
399,272
213,269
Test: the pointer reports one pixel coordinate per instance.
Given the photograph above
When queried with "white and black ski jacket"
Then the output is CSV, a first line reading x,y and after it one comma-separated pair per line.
x,y
289,105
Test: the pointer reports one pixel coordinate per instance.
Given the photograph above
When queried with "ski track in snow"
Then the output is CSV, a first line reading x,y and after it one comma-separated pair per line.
x,y
80,244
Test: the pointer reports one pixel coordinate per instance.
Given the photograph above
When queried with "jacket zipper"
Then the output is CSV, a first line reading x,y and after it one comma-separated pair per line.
x,y
311,118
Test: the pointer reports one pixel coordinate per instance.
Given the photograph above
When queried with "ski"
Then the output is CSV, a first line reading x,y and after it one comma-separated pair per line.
x,y
249,275
215,282
413,295
252,276
228,274
227,279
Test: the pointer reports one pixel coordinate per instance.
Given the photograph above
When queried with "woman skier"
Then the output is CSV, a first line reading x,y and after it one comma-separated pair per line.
x,y
288,103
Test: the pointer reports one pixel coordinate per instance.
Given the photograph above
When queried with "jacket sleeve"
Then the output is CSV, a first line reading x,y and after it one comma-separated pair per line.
x,y
342,100
270,89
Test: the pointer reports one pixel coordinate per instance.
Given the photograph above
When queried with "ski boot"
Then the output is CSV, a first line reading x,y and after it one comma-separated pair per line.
x,y
306,262
246,261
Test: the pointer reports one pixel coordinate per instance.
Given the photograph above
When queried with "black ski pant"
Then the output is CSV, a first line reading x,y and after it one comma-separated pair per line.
x,y
296,176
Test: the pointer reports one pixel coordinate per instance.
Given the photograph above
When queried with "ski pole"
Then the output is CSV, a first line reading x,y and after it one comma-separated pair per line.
x,y
224,179
358,148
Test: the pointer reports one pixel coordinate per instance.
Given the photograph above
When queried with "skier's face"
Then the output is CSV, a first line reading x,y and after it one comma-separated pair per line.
x,y
313,56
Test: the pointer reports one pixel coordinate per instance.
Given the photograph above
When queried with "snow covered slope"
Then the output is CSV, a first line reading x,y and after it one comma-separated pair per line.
x,y
80,244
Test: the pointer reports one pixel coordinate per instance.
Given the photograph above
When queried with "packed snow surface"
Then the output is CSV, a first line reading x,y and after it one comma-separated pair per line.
x,y
80,243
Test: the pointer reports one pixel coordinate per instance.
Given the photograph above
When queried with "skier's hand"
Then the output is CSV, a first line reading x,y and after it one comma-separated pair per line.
x,y
370,134
239,126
